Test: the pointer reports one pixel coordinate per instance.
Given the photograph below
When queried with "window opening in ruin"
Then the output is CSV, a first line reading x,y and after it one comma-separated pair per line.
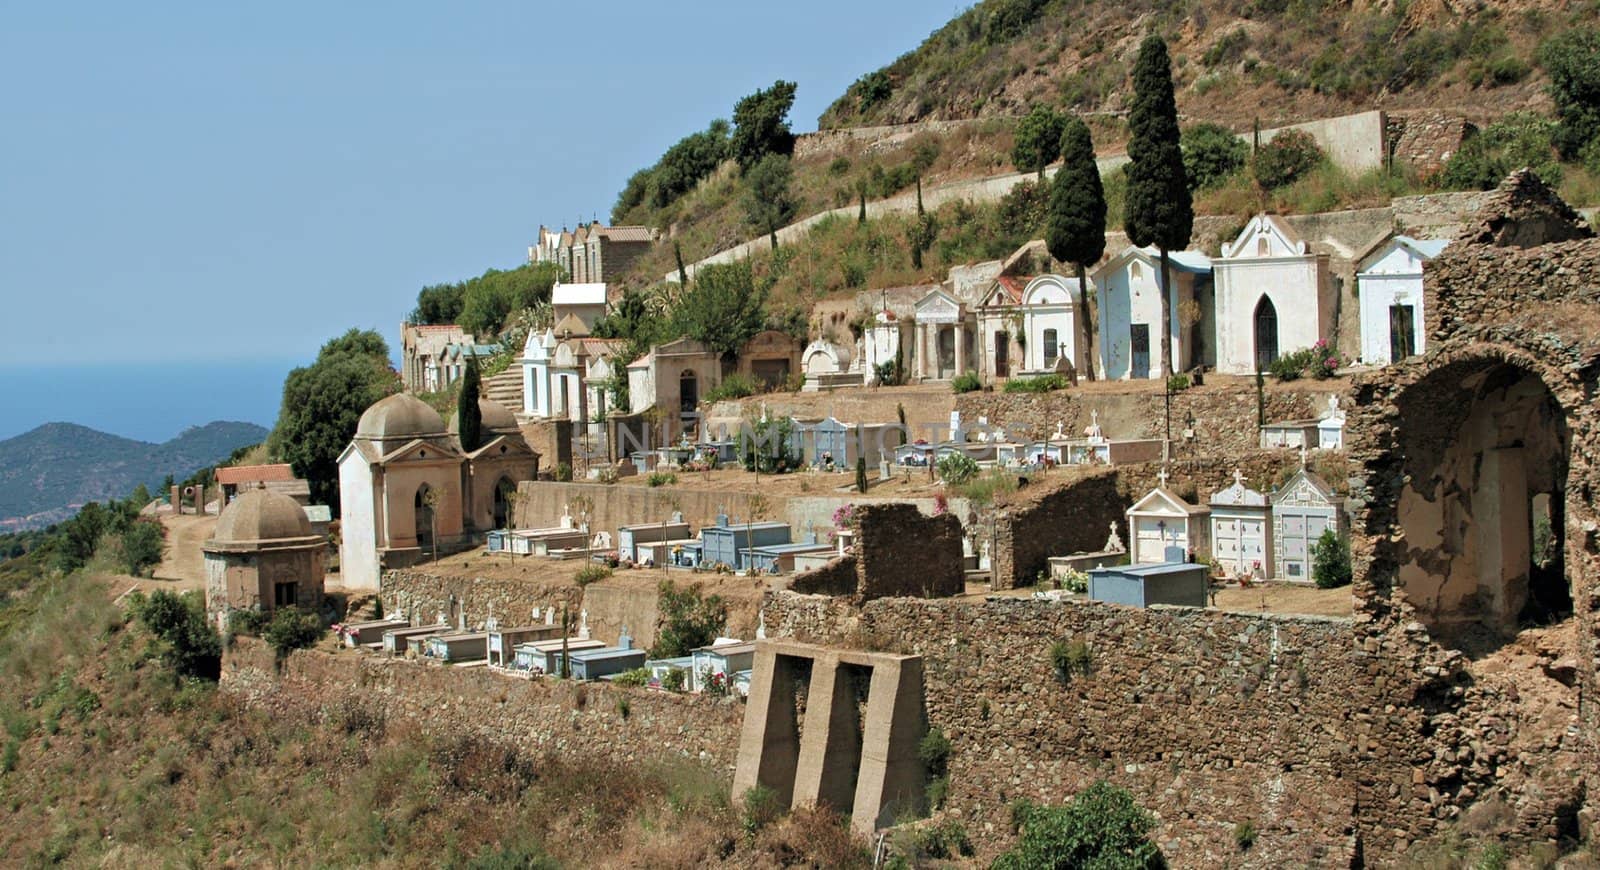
x,y
285,594
1266,321
1549,595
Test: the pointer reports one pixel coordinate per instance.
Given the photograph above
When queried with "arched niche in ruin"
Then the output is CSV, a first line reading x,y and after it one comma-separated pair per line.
x,y
1483,446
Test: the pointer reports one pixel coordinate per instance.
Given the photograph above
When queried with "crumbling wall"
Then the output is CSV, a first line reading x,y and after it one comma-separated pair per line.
x,y
899,551
838,577
533,715
1330,737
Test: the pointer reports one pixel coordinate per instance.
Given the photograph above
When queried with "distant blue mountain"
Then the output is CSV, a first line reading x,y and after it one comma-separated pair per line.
x,y
46,474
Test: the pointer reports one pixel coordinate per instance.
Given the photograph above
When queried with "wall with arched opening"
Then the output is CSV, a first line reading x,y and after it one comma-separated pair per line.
x,y
1469,491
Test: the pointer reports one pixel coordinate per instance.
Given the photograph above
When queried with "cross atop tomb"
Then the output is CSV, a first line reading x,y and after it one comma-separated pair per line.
x,y
1302,457
1238,477
1162,476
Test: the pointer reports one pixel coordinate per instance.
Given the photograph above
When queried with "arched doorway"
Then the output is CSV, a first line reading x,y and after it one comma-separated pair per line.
x,y
1484,448
422,507
1266,332
503,491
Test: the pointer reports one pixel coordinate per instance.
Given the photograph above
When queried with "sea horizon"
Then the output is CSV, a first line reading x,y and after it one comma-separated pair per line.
x,y
146,401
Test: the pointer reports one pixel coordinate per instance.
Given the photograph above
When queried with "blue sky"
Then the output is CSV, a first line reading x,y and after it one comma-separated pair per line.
x,y
237,182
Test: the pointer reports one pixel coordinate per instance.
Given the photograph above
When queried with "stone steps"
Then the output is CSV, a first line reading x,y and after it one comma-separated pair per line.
x,y
505,389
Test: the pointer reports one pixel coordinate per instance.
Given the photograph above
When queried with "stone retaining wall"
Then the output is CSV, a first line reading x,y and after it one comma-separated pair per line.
x,y
538,716
1330,738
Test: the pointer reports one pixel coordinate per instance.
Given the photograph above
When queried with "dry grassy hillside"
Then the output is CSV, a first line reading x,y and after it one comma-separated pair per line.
x,y
1278,61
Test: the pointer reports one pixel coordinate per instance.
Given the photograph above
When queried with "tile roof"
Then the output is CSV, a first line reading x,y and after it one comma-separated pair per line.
x,y
254,474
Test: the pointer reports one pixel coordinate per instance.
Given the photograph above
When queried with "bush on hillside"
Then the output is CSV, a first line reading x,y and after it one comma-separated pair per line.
x,y
191,647
966,382
1283,160
1040,384
1516,140
1102,827
292,628
590,574
735,386
685,620
1211,155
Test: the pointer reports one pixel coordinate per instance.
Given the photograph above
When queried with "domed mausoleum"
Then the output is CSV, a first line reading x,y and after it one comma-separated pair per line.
x,y
263,555
407,487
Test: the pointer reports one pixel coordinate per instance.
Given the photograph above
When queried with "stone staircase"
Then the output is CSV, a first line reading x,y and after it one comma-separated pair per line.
x,y
505,389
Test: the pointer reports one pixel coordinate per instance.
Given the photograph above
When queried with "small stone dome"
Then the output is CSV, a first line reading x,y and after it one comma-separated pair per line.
x,y
401,415
495,418
261,516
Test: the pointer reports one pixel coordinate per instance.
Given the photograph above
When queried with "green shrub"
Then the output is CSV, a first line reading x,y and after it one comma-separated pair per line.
x,y
1244,835
934,752
1102,827
292,628
192,648
590,573
944,841
1516,140
1330,561
1070,658
563,472
1290,366
685,620
246,622
660,478
1040,384
1283,160
1543,541
1227,49
673,680
735,386
956,468
1212,154
966,382
1572,61
760,808
1178,383
635,678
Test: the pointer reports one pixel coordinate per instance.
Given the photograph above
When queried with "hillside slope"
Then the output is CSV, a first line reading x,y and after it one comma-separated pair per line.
x,y
47,471
1278,61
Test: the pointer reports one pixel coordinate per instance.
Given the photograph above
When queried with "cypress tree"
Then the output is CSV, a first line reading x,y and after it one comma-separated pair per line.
x,y
1159,210
861,474
1075,226
683,274
471,416
861,191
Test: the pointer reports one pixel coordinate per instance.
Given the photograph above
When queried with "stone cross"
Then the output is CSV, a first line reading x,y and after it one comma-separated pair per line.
x,y
1302,457
1114,542
1238,478
1060,434
1162,476
583,624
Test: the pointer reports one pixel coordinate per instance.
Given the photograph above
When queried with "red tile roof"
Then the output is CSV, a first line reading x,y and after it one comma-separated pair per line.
x,y
253,474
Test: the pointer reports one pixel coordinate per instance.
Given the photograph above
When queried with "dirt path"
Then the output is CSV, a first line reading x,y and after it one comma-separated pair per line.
x,y
183,564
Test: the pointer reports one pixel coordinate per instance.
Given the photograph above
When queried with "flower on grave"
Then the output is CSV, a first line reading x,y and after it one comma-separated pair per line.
x,y
843,514
941,505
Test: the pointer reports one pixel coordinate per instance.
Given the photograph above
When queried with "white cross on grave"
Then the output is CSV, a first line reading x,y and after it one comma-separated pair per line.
x,y
1302,457
1238,478
1162,476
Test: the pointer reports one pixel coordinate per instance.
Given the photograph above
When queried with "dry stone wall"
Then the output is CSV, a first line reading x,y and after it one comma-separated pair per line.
x,y
1331,738
536,716
901,552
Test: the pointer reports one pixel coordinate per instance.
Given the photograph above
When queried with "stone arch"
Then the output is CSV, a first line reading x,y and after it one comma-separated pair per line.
x,y
1265,323
1471,447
